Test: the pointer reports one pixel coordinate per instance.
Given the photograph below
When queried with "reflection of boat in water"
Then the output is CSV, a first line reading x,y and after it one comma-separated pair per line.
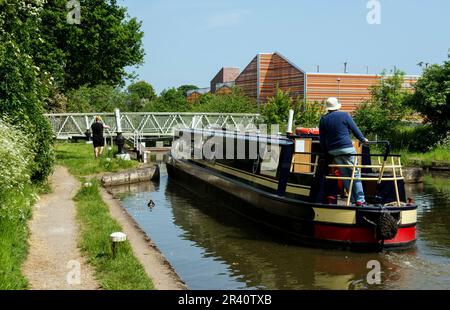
x,y
256,258
286,184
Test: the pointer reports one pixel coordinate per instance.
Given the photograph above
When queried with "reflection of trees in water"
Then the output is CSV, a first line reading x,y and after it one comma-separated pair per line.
x,y
433,199
257,257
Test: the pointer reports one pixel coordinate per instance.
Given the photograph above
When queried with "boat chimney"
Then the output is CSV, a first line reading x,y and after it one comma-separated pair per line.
x,y
290,122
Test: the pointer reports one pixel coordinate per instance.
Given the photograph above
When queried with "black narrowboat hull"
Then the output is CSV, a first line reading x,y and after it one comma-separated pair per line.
x,y
306,223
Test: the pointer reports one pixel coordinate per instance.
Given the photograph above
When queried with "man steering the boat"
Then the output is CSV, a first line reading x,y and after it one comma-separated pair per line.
x,y
335,128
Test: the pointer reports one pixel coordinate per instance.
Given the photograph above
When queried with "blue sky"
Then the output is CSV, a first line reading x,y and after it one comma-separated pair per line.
x,y
188,41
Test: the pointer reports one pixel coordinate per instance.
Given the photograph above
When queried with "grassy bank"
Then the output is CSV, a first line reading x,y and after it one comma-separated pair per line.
x,y
79,159
426,159
123,272
120,273
14,234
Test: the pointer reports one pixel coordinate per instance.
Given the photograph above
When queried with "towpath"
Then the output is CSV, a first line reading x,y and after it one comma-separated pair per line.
x,y
54,260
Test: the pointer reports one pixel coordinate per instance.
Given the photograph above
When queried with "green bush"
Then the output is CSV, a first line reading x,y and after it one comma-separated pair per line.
x,y
23,89
15,159
444,143
417,138
382,114
276,110
413,138
17,196
308,114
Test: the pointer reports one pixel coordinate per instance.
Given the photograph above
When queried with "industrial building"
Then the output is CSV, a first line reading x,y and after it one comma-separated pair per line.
x,y
224,76
268,72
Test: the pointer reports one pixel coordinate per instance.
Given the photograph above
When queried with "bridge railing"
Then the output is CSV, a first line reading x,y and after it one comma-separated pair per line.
x,y
67,125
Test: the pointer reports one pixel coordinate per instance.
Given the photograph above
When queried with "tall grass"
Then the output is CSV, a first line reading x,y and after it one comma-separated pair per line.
x,y
14,239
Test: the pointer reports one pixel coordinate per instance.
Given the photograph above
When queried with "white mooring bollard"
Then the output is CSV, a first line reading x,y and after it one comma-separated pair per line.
x,y
117,238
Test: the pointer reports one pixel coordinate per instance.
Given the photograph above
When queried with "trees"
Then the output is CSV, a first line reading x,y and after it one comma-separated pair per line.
x,y
276,110
100,98
139,94
432,97
235,102
173,100
23,85
185,88
42,56
96,51
170,100
382,114
306,114
142,89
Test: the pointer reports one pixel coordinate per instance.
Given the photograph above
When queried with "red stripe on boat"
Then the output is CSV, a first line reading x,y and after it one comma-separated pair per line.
x,y
403,235
361,234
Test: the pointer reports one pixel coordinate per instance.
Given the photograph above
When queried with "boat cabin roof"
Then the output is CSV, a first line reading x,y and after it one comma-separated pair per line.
x,y
248,136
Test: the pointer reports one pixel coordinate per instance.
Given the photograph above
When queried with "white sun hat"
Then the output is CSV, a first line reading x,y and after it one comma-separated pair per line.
x,y
333,104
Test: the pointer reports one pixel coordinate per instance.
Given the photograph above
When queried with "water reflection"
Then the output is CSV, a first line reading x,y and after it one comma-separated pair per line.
x,y
213,248
127,189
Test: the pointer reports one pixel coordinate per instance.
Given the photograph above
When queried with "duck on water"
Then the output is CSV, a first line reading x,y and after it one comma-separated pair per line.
x,y
289,184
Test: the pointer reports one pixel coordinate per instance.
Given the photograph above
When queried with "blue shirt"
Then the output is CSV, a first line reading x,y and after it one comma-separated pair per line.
x,y
335,129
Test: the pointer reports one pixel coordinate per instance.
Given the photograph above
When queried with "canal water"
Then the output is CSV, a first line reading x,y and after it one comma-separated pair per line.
x,y
211,247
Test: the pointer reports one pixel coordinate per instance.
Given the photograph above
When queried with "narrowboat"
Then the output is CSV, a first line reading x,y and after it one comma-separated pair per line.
x,y
287,183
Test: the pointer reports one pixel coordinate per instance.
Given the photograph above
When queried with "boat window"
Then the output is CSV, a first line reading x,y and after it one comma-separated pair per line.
x,y
270,160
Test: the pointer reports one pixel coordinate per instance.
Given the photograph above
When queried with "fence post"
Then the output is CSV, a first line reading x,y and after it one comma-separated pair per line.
x,y
87,133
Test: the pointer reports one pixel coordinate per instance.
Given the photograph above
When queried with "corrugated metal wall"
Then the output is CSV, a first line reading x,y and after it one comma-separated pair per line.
x,y
272,70
288,77
266,79
351,89
247,80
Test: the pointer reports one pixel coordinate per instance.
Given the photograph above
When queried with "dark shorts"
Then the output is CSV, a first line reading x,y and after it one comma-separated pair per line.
x,y
99,141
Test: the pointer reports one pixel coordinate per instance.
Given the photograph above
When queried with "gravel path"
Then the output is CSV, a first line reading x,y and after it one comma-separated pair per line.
x,y
54,260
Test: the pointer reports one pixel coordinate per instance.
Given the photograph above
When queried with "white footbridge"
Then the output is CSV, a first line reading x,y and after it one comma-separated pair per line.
x,y
145,124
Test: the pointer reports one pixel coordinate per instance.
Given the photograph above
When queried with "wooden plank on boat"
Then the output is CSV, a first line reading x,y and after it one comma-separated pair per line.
x,y
304,146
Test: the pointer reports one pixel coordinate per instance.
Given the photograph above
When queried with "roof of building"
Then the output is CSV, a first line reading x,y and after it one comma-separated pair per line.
x,y
199,91
226,84
233,71
360,74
